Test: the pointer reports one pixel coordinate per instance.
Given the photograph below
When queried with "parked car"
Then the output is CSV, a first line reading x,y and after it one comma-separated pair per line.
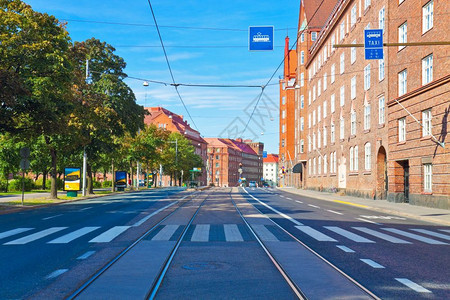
x,y
252,184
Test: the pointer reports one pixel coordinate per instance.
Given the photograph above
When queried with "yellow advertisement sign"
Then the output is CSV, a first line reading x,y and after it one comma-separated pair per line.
x,y
72,178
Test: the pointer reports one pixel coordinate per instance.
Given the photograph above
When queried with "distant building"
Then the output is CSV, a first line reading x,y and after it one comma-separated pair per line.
x,y
231,160
172,122
270,169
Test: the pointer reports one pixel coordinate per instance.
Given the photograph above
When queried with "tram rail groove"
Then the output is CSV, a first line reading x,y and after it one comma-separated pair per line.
x,y
94,277
363,288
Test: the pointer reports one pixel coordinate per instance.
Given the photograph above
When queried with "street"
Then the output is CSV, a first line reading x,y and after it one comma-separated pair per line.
x,y
220,243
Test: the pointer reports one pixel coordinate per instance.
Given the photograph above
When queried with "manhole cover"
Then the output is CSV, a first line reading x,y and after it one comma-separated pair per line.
x,y
204,265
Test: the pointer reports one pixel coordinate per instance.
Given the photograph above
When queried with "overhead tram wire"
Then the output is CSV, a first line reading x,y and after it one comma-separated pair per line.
x,y
168,65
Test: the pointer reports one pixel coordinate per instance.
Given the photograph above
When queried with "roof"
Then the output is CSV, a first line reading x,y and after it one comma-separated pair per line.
x,y
316,20
271,158
230,143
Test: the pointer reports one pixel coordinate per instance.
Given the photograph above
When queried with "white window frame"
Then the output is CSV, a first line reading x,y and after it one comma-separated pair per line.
x,y
319,113
427,16
302,146
381,18
366,4
333,103
342,63
427,69
319,87
332,133
324,136
302,101
367,77
353,16
353,122
324,109
428,178
302,57
309,120
426,122
381,110
302,79
353,88
367,156
402,82
353,53
313,36
319,139
355,164
302,123
324,82
342,96
351,159
325,164
402,129
367,117
381,70
342,30
333,71
319,169
341,128
402,34
302,37
283,128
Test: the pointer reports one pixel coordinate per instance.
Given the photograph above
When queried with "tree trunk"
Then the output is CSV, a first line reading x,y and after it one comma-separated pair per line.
x,y
44,180
113,184
90,186
131,176
53,174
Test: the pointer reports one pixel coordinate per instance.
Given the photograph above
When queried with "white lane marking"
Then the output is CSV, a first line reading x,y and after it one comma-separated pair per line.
x,y
372,263
86,208
13,232
345,249
166,233
48,218
349,235
298,201
435,234
288,198
315,206
445,230
276,211
109,235
382,235
264,233
317,235
73,235
368,221
334,212
413,285
415,236
143,220
35,236
86,255
56,273
201,233
232,233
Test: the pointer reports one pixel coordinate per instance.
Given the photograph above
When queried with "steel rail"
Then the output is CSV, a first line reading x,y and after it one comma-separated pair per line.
x,y
295,288
94,277
363,288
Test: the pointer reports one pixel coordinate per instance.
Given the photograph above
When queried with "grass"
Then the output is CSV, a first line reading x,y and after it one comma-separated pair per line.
x,y
20,192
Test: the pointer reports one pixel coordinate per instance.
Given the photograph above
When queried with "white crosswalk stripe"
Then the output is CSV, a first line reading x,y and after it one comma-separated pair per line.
x,y
264,233
166,233
232,233
201,233
445,230
109,235
13,232
315,234
350,235
381,235
35,236
73,235
415,236
435,234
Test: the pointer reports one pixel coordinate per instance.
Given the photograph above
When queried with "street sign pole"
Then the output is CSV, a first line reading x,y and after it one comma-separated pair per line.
x,y
24,165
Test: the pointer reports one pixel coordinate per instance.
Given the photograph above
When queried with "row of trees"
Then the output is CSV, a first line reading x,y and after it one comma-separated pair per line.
x,y
48,104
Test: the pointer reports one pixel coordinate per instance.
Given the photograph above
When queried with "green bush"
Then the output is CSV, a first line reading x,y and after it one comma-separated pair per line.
x,y
107,183
16,184
97,184
38,183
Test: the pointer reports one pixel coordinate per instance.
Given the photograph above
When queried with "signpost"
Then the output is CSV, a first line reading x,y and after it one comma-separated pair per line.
x,y
24,165
373,44
260,38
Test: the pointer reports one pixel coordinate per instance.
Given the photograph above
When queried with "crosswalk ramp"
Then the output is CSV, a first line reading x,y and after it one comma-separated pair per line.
x,y
228,233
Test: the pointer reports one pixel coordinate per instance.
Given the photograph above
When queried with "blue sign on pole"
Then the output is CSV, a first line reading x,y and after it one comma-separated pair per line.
x,y
264,154
260,38
373,44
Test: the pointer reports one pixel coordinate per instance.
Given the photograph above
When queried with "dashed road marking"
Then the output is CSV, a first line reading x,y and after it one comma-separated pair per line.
x,y
315,206
368,221
298,201
371,263
56,273
143,220
315,234
413,285
349,235
52,217
334,212
345,249
85,255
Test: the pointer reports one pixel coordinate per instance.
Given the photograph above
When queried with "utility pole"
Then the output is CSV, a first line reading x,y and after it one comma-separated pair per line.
x,y
84,151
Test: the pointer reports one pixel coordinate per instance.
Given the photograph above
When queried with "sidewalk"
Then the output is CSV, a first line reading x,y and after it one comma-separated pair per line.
x,y
433,215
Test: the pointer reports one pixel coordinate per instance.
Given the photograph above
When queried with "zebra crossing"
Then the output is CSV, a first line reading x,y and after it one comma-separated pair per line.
x,y
228,233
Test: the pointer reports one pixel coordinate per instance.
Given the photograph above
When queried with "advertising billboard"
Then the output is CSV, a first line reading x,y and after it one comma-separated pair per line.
x,y
121,179
72,178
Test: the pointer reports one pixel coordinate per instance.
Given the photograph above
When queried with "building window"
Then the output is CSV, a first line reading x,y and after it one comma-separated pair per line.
x,y
302,101
353,16
353,88
283,100
342,96
282,143
333,71
341,128
314,93
302,37
319,87
427,69
325,164
352,123
351,159
325,82
333,41
324,109
302,57
324,136
381,18
283,114
427,178
333,103
355,164
320,165
367,117
309,143
302,123
302,146
314,117
309,120
313,36
381,118
402,80
427,13
367,77
314,141
334,162
309,167
283,128
366,4
367,156
302,79
353,53
381,69
332,133
309,97
426,122
402,130
319,113
342,30
342,63
319,139
402,34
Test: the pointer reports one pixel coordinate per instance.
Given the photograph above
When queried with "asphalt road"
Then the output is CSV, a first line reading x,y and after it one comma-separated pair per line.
x,y
37,246
394,257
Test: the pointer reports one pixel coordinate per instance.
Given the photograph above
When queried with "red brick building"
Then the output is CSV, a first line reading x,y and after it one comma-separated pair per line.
x,y
419,104
172,122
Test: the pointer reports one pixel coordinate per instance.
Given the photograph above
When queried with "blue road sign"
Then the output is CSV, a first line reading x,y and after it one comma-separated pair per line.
x,y
373,44
264,154
260,38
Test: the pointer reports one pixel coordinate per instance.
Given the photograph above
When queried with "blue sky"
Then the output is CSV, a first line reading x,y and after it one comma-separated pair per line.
x,y
223,58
